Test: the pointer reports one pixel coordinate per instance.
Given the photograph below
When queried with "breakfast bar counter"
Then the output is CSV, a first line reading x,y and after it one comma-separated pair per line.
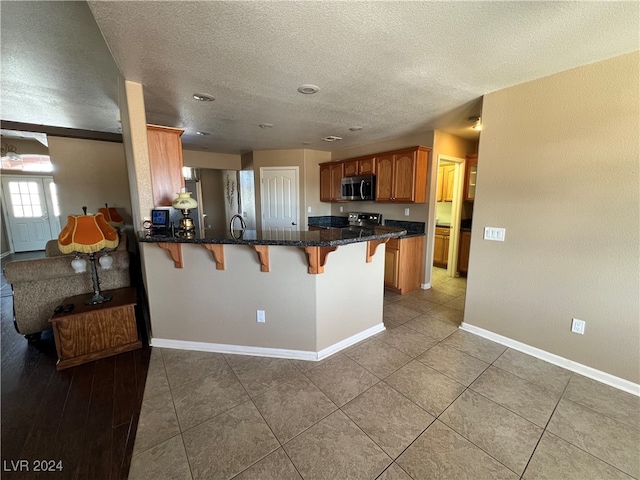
x,y
301,294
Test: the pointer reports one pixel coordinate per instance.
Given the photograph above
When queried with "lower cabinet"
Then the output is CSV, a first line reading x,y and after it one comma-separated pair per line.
x,y
403,264
463,252
441,247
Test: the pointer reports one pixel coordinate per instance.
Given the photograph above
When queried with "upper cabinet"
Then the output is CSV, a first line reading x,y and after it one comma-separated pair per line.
x,y
470,178
165,162
401,176
445,183
331,174
359,166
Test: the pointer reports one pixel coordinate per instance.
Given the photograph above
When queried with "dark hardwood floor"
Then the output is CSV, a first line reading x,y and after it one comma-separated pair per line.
x,y
83,418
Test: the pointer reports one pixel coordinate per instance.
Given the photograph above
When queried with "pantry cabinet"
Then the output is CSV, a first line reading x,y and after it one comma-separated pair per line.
x,y
441,247
445,183
331,174
470,174
401,176
404,264
463,252
165,162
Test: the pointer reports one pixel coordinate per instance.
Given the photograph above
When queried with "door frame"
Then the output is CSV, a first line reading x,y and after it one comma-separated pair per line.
x,y
456,212
260,216
53,220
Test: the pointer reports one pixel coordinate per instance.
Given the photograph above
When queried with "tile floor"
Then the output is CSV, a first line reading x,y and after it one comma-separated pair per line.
x,y
419,400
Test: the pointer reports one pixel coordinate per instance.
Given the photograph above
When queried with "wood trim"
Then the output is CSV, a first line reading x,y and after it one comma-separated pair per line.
x,y
175,250
317,257
372,246
217,251
263,256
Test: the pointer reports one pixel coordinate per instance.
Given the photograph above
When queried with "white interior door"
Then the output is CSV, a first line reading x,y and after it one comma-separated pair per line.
x,y
280,199
31,211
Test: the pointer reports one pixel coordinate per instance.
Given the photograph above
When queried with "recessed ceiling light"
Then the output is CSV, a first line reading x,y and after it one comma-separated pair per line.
x,y
203,97
308,89
331,138
266,125
204,134
355,129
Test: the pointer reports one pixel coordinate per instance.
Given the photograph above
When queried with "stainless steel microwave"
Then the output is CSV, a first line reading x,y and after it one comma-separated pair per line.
x,y
359,188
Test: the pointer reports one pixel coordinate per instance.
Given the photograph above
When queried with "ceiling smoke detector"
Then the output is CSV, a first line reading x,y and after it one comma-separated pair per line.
x,y
266,125
203,97
204,134
355,129
308,89
331,138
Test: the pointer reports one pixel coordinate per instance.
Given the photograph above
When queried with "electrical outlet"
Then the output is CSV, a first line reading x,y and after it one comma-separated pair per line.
x,y
260,318
342,209
308,209
406,212
577,326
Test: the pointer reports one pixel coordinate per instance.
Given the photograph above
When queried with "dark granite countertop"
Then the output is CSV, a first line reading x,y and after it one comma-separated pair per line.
x,y
328,221
414,229
304,238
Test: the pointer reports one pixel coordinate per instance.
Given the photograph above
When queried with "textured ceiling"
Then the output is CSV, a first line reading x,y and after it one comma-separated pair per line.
x,y
393,68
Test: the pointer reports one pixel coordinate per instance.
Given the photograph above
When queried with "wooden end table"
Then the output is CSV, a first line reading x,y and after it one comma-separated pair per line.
x,y
90,332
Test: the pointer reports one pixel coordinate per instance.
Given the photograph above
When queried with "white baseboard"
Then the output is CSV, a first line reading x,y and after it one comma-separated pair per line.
x,y
264,351
425,286
589,372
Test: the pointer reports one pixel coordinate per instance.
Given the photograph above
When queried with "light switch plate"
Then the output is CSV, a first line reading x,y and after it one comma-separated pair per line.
x,y
494,233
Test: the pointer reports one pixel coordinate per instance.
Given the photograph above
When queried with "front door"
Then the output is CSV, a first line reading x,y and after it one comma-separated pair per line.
x,y
29,209
280,210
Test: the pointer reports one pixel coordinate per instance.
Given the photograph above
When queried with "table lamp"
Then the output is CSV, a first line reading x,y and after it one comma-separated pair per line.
x,y
111,215
185,203
89,234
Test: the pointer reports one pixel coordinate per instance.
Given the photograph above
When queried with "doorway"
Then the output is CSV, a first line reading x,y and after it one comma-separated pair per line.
x,y
280,211
32,215
449,193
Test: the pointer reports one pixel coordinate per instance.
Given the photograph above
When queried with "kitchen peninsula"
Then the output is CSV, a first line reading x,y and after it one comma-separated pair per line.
x,y
319,291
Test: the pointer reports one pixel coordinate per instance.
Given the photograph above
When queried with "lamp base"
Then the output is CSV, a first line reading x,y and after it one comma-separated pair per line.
x,y
186,224
98,298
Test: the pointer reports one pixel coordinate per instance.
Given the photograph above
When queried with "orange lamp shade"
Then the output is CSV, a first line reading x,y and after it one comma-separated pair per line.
x,y
87,234
112,216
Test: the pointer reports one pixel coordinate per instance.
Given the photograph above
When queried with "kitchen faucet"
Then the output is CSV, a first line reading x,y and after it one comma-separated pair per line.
x,y
243,225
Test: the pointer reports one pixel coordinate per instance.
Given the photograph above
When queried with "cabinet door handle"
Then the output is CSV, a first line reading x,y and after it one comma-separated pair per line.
x,y
293,223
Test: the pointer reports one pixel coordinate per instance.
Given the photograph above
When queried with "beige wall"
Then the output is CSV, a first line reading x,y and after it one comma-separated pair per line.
x,y
27,146
303,312
222,161
91,173
213,203
558,168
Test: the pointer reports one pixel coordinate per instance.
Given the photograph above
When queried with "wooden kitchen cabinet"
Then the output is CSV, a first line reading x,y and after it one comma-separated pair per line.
x,y
331,174
463,252
403,264
445,183
441,247
165,162
401,176
359,166
470,175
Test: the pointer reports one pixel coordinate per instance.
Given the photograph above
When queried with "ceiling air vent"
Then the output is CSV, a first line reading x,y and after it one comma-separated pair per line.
x,y
331,138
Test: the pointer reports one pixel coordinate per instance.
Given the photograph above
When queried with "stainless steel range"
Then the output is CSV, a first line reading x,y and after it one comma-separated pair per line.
x,y
364,219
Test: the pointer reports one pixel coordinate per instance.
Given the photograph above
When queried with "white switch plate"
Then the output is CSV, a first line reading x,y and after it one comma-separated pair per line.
x,y
309,209
494,233
577,326
342,209
406,212
260,318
